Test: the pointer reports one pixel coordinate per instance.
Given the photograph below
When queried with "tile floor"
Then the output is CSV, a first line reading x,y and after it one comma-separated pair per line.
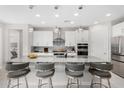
x,y
59,79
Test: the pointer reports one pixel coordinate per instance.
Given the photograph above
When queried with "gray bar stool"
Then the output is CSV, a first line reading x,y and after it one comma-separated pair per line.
x,y
45,70
102,71
74,71
16,71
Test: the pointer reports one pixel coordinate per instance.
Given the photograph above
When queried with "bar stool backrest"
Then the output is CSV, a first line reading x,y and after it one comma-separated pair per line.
x,y
75,66
11,66
44,66
102,66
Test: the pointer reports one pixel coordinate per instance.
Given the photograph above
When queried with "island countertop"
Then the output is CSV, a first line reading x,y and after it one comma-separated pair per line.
x,y
58,59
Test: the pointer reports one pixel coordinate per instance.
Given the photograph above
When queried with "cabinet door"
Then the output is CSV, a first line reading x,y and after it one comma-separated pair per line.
x,y
42,38
82,36
121,69
116,67
70,39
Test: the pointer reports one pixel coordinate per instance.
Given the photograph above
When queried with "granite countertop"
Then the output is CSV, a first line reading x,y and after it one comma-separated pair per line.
x,y
118,58
59,59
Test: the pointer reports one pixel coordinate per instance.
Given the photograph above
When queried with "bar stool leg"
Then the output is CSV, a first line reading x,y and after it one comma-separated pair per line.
x,y
80,82
91,86
38,83
77,83
70,82
100,83
18,82
50,83
67,83
26,82
9,82
109,83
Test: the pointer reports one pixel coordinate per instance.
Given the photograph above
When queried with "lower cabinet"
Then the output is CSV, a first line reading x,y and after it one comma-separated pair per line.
x,y
118,68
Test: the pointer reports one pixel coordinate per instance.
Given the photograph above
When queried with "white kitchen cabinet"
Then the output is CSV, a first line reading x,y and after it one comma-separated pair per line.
x,y
82,36
118,30
70,38
43,38
118,68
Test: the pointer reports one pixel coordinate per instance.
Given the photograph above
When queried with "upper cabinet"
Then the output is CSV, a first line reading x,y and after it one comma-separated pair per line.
x,y
74,37
82,36
70,38
118,30
43,38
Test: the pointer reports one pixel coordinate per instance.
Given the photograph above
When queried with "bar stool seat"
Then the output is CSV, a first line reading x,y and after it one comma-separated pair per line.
x,y
44,71
102,71
16,71
45,74
74,73
18,74
99,73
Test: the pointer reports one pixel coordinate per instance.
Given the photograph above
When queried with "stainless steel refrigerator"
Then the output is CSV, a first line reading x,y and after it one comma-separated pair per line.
x,y
117,47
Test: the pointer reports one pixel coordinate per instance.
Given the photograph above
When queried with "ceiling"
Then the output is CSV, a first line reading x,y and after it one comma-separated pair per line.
x,y
22,14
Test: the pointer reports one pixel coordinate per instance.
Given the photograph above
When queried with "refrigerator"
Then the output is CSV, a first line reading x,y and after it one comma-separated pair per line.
x,y
117,46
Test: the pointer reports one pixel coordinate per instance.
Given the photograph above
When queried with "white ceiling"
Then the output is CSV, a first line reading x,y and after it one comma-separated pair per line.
x,y
21,14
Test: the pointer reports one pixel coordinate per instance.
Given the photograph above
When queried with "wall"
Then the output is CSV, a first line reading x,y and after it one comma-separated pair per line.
x,y
1,47
100,41
1,44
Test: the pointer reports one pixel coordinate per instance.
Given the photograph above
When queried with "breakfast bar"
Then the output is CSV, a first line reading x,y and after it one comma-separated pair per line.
x,y
56,59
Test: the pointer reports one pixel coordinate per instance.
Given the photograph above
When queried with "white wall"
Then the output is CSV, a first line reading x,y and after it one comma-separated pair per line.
x,y
1,47
1,44
100,41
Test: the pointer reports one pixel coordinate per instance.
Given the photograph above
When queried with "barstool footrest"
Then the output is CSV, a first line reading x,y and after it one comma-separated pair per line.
x,y
98,84
43,84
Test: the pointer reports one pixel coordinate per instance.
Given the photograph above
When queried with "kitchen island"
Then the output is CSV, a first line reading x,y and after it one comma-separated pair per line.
x,y
60,59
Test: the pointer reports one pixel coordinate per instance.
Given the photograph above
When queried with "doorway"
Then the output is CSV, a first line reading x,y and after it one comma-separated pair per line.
x,y
15,43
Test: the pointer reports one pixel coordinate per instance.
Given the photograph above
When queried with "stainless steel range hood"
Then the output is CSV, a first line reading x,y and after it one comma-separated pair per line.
x,y
58,37
58,41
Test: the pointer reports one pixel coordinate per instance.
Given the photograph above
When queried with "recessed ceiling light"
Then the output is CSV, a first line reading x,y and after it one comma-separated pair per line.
x,y
37,15
56,15
42,22
76,14
108,14
96,22
72,22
